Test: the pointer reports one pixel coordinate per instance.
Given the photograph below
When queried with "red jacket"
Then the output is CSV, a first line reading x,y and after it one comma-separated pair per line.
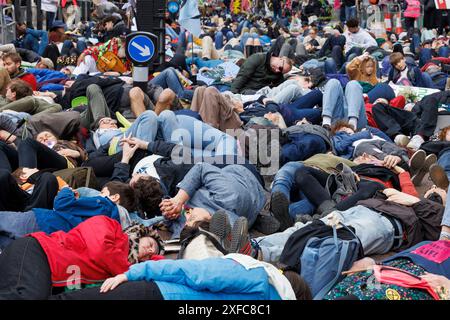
x,y
97,247
30,79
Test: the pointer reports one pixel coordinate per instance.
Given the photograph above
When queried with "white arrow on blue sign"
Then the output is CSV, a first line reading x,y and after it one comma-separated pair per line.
x,y
141,49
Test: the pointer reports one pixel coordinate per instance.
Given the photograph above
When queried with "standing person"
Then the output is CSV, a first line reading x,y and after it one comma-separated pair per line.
x,y
49,7
276,9
411,13
350,9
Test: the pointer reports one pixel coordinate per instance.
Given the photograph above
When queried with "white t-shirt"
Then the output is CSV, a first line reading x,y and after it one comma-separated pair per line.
x,y
147,166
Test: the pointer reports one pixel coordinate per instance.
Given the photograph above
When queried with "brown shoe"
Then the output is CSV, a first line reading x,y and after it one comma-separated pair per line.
x,y
416,162
439,176
429,161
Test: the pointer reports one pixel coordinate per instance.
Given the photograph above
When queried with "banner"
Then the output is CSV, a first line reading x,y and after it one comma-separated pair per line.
x,y
189,17
442,4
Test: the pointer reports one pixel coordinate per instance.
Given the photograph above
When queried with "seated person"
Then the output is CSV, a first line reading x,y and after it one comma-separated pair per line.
x,y
69,210
363,69
406,74
97,246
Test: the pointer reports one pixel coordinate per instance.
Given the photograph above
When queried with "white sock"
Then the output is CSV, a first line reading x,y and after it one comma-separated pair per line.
x,y
326,120
353,121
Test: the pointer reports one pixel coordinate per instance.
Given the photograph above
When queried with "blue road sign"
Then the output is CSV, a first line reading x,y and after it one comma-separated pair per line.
x,y
141,49
173,7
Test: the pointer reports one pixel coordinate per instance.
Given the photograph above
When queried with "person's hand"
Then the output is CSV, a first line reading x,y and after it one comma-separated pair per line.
x,y
361,265
391,161
400,197
141,144
112,283
128,151
69,153
5,134
440,284
398,169
171,208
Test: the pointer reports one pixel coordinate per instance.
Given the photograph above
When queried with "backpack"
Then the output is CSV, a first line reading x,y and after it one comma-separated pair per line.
x,y
201,245
324,259
343,182
110,62
78,177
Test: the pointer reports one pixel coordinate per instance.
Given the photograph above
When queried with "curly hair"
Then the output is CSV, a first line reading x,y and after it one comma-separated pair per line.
x,y
443,133
149,195
339,125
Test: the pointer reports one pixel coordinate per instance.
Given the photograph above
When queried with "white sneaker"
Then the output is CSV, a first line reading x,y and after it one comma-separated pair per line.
x,y
415,142
401,140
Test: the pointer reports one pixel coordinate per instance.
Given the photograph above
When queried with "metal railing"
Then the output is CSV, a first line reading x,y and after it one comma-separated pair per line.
x,y
7,28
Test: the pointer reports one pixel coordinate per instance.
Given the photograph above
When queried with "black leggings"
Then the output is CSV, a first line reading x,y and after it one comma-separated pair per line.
x,y
312,183
13,198
9,159
33,154
103,166
133,290
24,271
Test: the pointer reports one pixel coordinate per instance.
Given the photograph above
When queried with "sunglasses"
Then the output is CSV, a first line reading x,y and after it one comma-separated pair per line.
x,y
108,121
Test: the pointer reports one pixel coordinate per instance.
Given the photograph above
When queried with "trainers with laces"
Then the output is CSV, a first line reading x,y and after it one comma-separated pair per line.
x,y
239,235
438,176
401,140
220,226
279,206
415,142
418,177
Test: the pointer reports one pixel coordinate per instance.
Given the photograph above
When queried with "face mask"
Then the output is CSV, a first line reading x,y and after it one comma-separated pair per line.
x,y
50,144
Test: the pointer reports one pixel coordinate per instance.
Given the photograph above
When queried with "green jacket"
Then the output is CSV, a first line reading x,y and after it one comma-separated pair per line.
x,y
255,74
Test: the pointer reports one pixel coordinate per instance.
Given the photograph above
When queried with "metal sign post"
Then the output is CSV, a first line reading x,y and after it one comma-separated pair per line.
x,y
140,50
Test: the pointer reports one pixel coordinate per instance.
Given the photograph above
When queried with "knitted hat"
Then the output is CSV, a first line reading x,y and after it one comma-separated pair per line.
x,y
135,232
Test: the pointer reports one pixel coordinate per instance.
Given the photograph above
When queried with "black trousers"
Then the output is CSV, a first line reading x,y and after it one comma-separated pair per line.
x,y
13,198
394,121
33,154
9,158
24,271
312,183
133,290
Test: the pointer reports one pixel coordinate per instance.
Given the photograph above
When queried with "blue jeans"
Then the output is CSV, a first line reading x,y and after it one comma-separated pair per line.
x,y
329,65
350,12
15,225
303,108
245,37
284,182
145,127
204,140
169,79
427,81
50,17
381,90
425,55
338,105
31,40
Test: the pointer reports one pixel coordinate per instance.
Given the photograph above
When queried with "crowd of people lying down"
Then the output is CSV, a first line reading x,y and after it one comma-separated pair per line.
x,y
263,145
